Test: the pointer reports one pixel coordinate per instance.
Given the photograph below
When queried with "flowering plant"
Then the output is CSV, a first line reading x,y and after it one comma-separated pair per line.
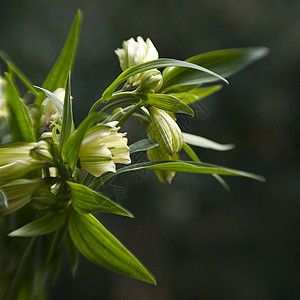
x,y
51,172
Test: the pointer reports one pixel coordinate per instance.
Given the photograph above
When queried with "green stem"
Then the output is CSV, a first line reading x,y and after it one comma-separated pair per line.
x,y
115,96
132,110
117,103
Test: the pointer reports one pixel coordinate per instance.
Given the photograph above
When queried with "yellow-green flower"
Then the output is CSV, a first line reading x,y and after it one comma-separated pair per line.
x,y
102,147
16,159
168,135
134,53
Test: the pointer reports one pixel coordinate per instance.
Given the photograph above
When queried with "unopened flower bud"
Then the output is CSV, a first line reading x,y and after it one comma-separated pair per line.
x,y
43,198
155,154
165,131
167,134
102,147
49,110
41,152
151,81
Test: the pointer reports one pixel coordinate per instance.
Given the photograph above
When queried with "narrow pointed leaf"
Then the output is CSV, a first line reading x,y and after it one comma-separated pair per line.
x,y
15,70
179,166
19,111
197,94
67,119
169,103
44,225
190,152
71,147
143,145
202,142
85,200
159,63
59,73
98,245
223,62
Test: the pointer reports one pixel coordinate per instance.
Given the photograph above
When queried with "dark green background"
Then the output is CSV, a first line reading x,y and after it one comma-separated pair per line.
x,y
200,241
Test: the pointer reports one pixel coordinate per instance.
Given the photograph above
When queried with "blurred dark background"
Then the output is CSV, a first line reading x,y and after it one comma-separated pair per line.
x,y
200,241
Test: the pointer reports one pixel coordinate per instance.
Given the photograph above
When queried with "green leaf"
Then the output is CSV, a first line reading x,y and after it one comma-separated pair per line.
x,y
158,63
197,94
190,152
200,141
168,103
19,111
224,62
44,225
3,200
143,145
179,166
67,119
58,104
59,73
98,245
15,70
85,200
71,148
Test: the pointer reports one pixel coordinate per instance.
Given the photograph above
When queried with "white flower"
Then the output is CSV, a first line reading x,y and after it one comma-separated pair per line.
x,y
102,147
134,53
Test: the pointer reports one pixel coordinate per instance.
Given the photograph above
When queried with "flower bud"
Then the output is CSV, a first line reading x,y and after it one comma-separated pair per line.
x,y
49,110
155,154
165,131
43,198
134,53
18,193
16,161
151,81
102,147
41,151
167,134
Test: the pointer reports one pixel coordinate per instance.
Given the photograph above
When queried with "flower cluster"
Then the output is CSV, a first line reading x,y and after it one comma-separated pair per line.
x,y
52,174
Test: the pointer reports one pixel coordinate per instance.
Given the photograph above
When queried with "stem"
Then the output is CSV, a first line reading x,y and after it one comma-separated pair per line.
x,y
115,96
117,103
132,110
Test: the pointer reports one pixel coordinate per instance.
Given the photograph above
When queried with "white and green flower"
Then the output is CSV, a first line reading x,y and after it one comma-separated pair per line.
x,y
102,147
138,52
